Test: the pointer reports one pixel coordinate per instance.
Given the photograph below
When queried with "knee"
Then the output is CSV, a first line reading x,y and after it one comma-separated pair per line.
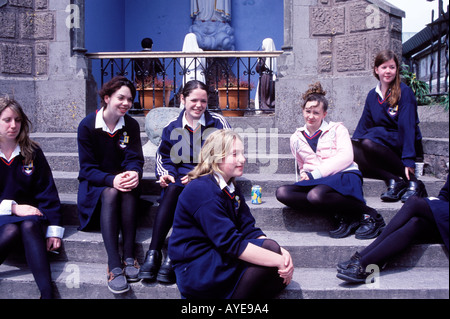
x,y
30,226
109,195
282,194
10,231
271,245
315,198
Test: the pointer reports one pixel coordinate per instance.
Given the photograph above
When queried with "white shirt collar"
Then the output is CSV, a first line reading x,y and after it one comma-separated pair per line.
x,y
15,153
100,123
201,121
322,127
222,183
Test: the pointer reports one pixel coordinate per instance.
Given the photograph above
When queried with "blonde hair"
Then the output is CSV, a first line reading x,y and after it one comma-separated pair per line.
x,y
217,146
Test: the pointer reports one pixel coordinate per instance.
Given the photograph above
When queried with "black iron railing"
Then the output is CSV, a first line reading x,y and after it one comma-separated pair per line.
x,y
155,74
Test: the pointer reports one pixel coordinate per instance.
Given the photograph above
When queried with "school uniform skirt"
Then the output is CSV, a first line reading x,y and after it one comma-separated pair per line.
x,y
348,183
13,219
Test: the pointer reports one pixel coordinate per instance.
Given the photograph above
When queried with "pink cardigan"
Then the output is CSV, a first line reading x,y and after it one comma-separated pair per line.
x,y
334,151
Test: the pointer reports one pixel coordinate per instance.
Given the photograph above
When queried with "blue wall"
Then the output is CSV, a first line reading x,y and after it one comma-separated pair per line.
x,y
119,25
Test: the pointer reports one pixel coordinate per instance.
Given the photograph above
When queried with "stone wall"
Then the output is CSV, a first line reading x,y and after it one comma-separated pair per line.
x,y
334,42
37,65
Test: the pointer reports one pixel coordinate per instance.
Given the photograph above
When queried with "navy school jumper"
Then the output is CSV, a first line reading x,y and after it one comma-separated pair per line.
x,y
211,229
32,185
394,127
102,156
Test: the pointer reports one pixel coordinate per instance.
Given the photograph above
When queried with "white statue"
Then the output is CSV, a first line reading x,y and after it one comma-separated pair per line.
x,y
211,24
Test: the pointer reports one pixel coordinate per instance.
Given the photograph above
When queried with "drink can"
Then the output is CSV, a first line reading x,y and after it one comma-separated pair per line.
x,y
256,194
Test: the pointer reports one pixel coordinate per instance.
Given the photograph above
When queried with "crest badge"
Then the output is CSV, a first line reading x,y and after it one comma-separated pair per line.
x,y
124,140
28,169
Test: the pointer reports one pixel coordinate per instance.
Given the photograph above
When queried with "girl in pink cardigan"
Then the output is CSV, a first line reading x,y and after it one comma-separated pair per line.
x,y
329,178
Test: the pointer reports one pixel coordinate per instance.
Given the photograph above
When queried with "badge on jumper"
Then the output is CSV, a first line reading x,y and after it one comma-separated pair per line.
x,y
237,204
28,169
393,110
124,140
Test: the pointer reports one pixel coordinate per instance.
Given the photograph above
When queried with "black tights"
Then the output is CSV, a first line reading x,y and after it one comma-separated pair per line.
x,y
377,161
164,217
413,221
33,238
321,197
260,282
118,212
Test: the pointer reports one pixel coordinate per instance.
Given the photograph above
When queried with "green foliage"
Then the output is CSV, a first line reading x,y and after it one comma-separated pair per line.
x,y
420,88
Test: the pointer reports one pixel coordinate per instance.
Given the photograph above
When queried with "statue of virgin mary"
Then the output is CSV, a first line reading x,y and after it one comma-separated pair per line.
x,y
211,24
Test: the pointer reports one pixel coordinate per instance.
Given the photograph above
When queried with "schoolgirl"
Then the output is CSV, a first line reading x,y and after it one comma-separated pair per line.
x,y
216,249
176,156
329,179
111,166
29,201
387,139
418,219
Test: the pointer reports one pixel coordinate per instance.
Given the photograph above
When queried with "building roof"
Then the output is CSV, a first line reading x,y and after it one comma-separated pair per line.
x,y
426,36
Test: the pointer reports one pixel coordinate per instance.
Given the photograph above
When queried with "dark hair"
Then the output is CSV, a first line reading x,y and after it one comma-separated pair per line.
x,y
27,146
113,85
147,43
191,86
315,93
381,58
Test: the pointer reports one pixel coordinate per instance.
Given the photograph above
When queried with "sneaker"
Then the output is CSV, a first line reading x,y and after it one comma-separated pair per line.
x,y
370,227
415,189
345,228
395,191
117,283
131,269
344,265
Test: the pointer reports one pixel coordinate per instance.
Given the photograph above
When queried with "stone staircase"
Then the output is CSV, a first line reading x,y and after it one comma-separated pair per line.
x,y
79,271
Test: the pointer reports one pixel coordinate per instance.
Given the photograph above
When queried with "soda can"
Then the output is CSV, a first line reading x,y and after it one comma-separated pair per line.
x,y
256,194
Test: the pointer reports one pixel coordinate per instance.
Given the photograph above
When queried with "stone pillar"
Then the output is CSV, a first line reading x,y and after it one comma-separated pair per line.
x,y
37,66
334,42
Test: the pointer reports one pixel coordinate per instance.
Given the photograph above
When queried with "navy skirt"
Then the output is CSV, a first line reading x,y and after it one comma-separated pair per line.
x,y
13,219
348,183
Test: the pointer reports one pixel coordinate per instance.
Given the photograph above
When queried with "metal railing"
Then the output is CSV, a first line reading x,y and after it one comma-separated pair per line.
x,y
165,73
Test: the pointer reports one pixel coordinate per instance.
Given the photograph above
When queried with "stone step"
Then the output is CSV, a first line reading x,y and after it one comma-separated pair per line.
x,y
76,280
270,215
308,249
260,141
67,183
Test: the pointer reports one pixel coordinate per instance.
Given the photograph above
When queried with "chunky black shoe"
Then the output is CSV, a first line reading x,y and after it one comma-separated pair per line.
x,y
370,227
415,189
353,273
150,267
344,265
395,191
166,274
346,227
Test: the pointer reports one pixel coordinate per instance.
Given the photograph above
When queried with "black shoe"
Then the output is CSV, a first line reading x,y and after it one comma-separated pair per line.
x,y
395,191
166,273
345,228
370,227
150,267
353,273
415,189
344,265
